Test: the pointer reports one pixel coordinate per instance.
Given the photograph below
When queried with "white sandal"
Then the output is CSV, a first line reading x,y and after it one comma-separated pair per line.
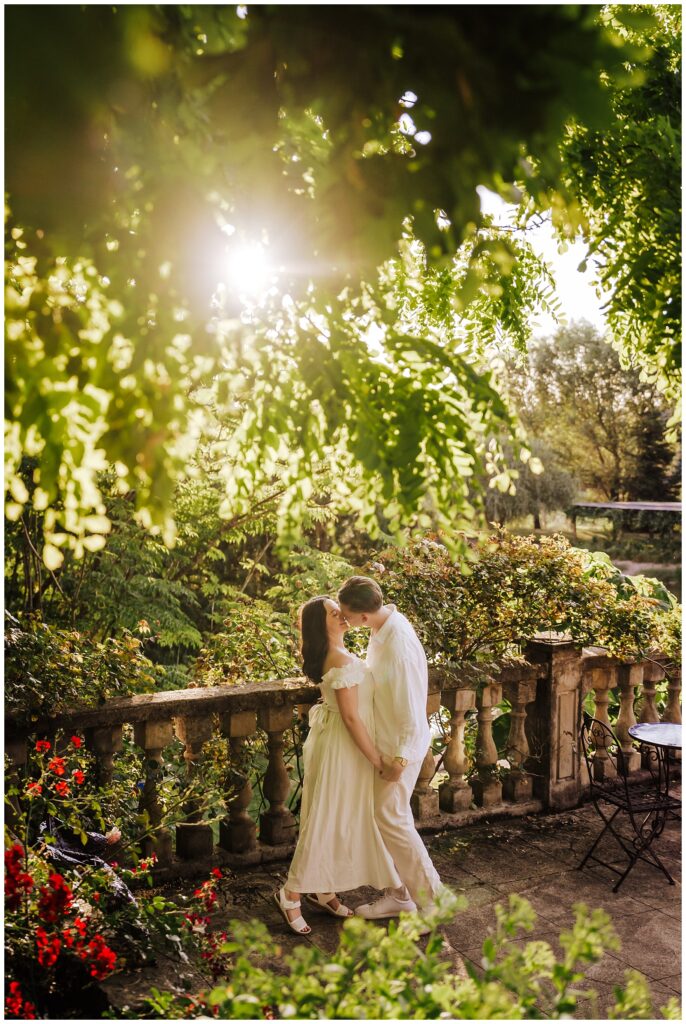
x,y
299,925
323,901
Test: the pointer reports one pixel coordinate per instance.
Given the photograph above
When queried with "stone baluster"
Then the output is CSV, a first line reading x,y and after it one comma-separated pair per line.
x,y
455,794
601,678
153,737
628,678
237,833
652,675
485,784
673,709
105,742
193,839
518,784
424,799
277,824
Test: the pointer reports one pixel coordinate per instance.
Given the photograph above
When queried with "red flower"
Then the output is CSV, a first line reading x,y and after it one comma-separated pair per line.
x,y
48,947
56,765
78,776
62,788
55,901
217,873
34,787
69,938
42,745
15,1006
207,894
102,958
96,897
76,741
17,882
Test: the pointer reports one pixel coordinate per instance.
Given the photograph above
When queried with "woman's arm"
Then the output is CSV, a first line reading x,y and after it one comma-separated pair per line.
x,y
347,705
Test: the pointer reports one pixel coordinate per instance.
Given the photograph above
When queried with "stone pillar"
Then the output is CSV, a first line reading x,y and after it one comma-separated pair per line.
x,y
277,824
237,833
424,799
193,840
518,784
673,709
628,678
486,787
105,742
552,725
455,794
153,737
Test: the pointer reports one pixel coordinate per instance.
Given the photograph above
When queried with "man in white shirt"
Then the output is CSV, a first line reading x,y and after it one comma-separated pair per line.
x,y
398,663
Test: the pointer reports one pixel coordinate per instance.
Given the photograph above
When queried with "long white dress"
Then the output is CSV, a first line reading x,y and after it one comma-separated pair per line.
x,y
340,846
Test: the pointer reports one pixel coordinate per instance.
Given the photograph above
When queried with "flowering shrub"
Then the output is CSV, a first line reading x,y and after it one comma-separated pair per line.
x,y
57,787
76,924
516,587
45,924
16,1006
197,923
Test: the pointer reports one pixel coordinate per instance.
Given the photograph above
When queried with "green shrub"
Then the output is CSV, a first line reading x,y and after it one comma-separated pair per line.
x,y
386,975
517,587
48,670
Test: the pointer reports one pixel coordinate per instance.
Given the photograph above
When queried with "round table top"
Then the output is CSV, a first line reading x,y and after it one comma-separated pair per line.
x,y
658,734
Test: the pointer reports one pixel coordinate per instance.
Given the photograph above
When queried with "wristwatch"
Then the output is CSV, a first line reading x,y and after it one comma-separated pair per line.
x,y
402,761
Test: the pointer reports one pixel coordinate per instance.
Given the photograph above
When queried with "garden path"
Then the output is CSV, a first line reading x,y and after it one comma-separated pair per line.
x,y
534,856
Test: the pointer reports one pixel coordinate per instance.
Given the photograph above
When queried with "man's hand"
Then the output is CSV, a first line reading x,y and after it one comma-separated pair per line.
x,y
391,770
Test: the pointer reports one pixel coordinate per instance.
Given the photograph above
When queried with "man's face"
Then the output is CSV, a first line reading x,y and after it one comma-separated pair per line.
x,y
356,620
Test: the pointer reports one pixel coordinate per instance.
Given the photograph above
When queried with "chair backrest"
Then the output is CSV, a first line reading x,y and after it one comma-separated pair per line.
x,y
595,736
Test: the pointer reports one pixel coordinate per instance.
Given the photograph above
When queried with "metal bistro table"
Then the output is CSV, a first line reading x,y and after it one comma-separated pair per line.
x,y
661,739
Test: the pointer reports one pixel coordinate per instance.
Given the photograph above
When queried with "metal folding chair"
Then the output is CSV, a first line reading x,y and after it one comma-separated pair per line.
x,y
644,805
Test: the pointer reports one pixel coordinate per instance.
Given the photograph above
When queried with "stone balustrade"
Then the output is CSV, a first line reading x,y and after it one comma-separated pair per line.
x,y
537,766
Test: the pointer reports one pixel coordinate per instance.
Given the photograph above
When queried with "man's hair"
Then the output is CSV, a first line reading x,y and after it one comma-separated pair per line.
x,y
360,594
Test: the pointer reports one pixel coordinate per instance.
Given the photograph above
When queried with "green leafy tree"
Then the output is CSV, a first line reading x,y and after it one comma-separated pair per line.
x,y
604,422
185,130
623,183
550,489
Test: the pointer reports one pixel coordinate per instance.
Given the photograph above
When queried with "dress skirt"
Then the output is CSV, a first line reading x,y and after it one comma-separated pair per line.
x,y
340,846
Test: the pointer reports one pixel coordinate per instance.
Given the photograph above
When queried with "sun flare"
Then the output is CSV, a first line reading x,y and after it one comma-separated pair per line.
x,y
249,270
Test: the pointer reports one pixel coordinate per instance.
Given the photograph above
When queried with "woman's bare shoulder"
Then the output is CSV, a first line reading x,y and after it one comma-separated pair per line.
x,y
339,659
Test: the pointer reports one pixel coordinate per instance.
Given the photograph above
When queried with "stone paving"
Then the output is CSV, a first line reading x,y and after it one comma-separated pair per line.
x,y
534,856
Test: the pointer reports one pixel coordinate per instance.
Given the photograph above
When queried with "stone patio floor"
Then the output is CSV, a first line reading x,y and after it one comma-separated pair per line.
x,y
535,856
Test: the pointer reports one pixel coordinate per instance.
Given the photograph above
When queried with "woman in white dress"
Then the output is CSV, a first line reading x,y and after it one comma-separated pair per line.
x,y
339,846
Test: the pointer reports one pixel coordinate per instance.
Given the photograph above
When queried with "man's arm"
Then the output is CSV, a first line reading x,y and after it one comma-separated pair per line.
x,y
403,672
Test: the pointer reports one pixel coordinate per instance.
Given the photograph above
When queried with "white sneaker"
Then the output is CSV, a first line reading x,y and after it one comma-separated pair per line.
x,y
384,906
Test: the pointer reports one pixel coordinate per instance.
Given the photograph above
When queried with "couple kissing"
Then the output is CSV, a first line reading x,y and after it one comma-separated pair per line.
x,y
368,737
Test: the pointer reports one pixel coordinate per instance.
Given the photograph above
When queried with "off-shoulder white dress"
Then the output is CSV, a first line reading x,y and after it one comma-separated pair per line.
x,y
340,846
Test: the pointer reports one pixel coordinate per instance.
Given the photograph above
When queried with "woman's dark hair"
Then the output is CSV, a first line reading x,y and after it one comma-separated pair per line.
x,y
314,642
